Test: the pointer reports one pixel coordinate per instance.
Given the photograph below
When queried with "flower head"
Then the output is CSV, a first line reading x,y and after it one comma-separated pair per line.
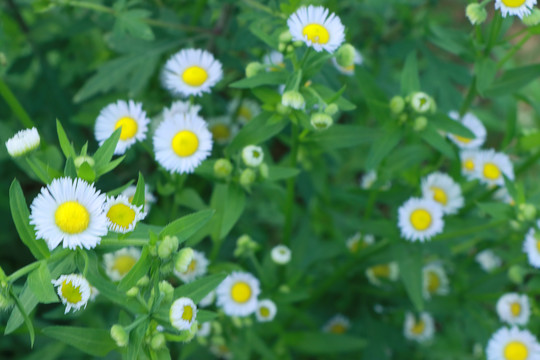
x,y
119,263
442,189
23,142
487,260
435,281
252,155
122,216
183,313
512,344
420,219
472,123
196,268
73,290
491,166
520,8
338,324
281,254
419,329
238,293
266,310
514,309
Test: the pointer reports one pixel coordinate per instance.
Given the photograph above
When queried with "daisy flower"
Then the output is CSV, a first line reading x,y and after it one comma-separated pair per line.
x,y
389,271
119,263
491,166
149,198
196,268
208,299
444,190
419,329
274,61
514,309
183,313
281,254
420,219
519,8
238,293
359,241
252,155
349,70
469,163
122,216
204,329
266,310
435,281
23,142
129,116
70,212
222,128
338,324
181,143
421,102
180,108
531,246
73,290
317,28
472,123
512,344
244,111
191,72
487,260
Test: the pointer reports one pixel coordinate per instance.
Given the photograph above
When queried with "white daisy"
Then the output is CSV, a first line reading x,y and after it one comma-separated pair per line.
x,y
191,72
126,115
183,313
531,246
359,241
469,163
222,128
435,281
253,155
281,254
71,212
389,271
23,142
314,26
181,108
181,143
338,324
512,344
421,102
244,111
444,190
94,292
208,299
238,293
119,263
73,290
514,309
349,70
519,8
420,219
419,329
472,123
122,216
487,260
491,166
266,310
368,179
196,268
149,198
204,329
274,61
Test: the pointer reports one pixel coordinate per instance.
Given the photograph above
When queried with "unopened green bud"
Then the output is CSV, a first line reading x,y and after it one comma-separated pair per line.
x,y
397,105
331,109
79,160
264,170
119,335
298,43
516,274
237,322
289,49
183,259
216,328
282,47
282,109
345,55
167,290
134,291
285,37
253,68
145,280
476,13
284,289
321,121
158,341
533,18
245,246
421,102
293,99
526,212
222,168
6,302
420,123
248,321
247,177
167,246
515,225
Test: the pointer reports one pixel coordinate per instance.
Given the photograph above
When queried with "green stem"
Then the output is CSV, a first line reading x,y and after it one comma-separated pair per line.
x,y
92,6
15,105
289,204
471,93
28,268
257,265
371,203
126,242
513,51
136,323
493,35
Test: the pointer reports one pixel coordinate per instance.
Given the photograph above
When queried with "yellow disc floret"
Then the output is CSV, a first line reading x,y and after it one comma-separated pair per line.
x,y
121,215
72,217
491,171
516,350
433,282
439,195
468,165
515,309
71,293
338,329
418,328
129,127
194,76
187,313
316,33
264,311
420,219
220,132
514,3
381,271
241,292
462,139
185,143
123,264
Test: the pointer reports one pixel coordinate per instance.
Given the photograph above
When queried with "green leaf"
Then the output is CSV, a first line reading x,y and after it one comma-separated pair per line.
x,y
39,169
258,130
104,154
433,138
137,271
513,80
39,282
382,147
96,342
86,172
65,145
21,216
131,22
485,70
198,289
276,173
188,225
110,166
26,303
205,315
136,337
318,343
69,169
343,136
21,308
263,78
530,141
410,82
138,197
409,258
445,123
269,39
229,201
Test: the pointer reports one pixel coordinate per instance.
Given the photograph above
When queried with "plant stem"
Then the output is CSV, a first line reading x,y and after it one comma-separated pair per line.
x,y
15,105
471,93
513,51
289,204
127,242
28,268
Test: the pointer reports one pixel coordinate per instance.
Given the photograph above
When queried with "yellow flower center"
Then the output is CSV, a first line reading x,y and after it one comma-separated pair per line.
x,y
185,143
245,113
121,215
469,165
220,132
514,3
462,139
515,350
241,292
349,68
264,311
123,264
491,171
71,293
538,245
71,217
194,76
439,195
354,246
433,282
418,328
381,271
420,219
187,314
316,33
515,308
129,127
191,267
338,329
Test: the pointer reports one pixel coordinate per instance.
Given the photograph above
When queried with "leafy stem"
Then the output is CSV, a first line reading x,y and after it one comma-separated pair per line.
x,y
289,204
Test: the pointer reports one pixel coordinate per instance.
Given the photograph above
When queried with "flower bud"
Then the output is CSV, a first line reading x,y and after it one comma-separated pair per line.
x,y
222,168
282,109
526,212
247,177
264,171
245,246
253,68
23,142
134,291
285,37
331,109
166,289
516,274
293,99
422,102
282,47
533,18
397,105
183,259
119,335
476,13
420,123
321,121
345,55
145,280
79,160
167,246
158,341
